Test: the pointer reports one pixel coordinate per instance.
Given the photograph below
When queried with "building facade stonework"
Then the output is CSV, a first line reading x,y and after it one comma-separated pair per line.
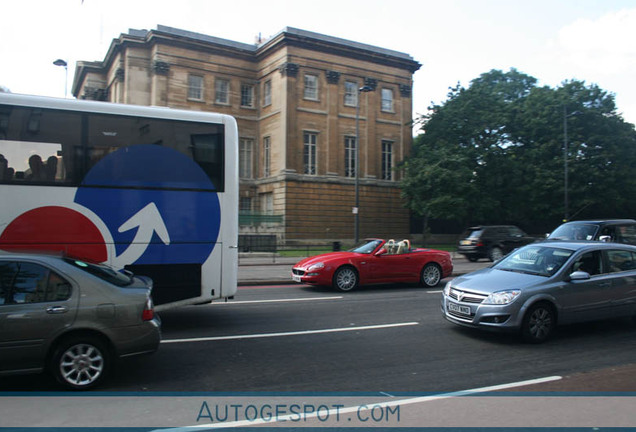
x,y
295,97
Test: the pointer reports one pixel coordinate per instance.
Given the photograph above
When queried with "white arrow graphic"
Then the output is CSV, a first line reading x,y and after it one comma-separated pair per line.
x,y
148,220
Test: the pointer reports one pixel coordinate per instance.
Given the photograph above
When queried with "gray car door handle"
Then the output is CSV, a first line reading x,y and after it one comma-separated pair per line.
x,y
56,309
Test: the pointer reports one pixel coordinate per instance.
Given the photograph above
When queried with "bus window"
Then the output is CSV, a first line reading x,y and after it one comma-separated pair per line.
x,y
31,161
202,142
35,145
207,151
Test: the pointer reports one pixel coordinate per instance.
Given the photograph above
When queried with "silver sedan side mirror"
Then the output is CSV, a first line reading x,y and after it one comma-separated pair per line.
x,y
579,275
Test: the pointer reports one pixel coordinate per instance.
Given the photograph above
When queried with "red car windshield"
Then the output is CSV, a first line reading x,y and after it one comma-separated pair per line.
x,y
367,247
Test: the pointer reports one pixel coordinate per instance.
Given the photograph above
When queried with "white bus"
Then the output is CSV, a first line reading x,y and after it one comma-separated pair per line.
x,y
151,190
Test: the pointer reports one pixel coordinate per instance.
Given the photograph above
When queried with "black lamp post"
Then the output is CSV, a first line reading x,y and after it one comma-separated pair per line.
x,y
566,210
60,62
356,209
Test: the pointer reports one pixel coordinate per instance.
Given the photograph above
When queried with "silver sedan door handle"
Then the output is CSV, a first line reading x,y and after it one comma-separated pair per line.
x,y
56,309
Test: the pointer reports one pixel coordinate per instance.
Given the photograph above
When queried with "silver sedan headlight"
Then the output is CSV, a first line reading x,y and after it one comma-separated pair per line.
x,y
502,297
447,289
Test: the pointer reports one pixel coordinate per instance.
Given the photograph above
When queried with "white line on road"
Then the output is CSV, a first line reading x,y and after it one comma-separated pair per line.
x,y
434,292
369,406
297,333
276,300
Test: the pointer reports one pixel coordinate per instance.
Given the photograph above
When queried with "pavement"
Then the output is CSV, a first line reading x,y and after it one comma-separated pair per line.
x,y
271,269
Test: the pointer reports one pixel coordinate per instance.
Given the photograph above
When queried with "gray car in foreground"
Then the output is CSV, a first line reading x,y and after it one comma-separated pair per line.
x,y
541,285
71,318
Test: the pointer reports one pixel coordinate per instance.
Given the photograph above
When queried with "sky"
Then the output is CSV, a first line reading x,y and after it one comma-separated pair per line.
x,y
454,40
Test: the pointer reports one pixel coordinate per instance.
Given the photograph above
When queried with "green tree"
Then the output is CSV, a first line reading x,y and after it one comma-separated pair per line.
x,y
494,153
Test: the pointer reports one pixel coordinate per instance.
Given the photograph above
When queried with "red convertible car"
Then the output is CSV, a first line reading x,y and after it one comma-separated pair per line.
x,y
376,261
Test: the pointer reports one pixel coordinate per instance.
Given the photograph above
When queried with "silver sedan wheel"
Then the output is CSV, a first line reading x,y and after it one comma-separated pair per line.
x,y
81,365
345,279
431,275
538,324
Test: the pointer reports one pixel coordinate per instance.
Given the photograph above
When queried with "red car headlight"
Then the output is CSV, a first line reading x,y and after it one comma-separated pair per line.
x,y
315,267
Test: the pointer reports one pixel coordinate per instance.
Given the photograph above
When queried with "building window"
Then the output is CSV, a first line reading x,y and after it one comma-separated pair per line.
x,y
267,203
387,100
195,87
267,156
387,160
351,94
267,93
247,95
245,158
350,156
309,152
222,91
245,205
311,87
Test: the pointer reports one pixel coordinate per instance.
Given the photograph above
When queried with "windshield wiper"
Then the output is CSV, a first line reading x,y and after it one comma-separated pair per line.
x,y
528,272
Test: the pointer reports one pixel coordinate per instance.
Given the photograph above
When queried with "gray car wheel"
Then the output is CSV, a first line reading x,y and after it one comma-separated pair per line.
x,y
431,275
345,279
538,323
80,363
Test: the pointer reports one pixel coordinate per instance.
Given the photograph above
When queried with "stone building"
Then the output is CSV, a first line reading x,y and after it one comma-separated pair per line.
x,y
295,98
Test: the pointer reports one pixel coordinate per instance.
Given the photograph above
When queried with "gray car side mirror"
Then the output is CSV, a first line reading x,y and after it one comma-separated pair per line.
x,y
579,275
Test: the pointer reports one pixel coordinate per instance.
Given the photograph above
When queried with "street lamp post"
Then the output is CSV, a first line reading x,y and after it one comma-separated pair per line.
x,y
60,62
356,209
566,210
566,216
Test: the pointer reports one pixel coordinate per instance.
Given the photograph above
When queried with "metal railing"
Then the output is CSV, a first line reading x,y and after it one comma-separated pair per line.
x,y
263,246
256,219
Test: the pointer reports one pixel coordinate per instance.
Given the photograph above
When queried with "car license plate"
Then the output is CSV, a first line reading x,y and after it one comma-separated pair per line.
x,y
296,278
464,310
464,242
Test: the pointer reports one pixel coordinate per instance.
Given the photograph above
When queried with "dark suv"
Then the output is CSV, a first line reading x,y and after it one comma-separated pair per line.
x,y
609,230
492,241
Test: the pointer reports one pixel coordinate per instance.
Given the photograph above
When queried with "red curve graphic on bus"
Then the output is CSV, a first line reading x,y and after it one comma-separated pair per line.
x,y
55,229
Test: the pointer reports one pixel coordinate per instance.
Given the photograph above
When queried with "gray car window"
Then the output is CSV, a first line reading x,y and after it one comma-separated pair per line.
x,y
626,234
103,272
621,260
25,282
590,262
8,272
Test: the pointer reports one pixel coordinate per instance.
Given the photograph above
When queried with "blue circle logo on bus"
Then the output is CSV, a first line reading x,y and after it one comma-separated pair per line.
x,y
158,204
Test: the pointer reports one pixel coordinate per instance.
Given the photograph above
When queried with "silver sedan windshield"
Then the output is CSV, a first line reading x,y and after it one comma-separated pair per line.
x,y
536,260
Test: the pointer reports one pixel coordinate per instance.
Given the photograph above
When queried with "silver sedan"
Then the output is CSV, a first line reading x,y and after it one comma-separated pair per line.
x,y
541,285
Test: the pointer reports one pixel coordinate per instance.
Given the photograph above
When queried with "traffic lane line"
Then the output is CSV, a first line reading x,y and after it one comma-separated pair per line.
x,y
295,333
241,302
261,285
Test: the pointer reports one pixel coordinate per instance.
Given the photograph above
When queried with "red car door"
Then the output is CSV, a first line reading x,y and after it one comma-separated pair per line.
x,y
395,268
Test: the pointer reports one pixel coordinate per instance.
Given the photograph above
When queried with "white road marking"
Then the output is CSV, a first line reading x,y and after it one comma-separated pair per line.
x,y
361,407
275,300
297,333
434,292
